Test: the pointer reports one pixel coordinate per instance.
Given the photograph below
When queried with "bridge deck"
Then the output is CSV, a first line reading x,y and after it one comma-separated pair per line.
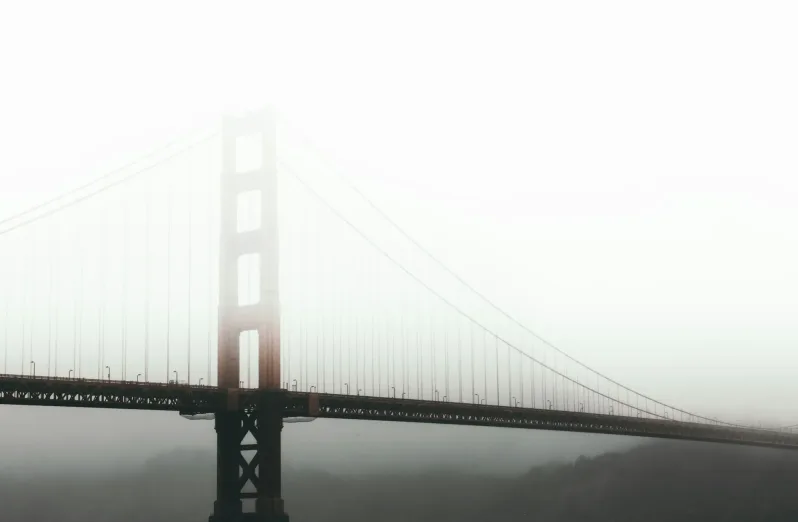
x,y
88,393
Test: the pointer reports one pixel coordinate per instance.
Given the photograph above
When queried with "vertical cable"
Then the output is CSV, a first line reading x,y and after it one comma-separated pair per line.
x,y
30,334
459,365
211,276
419,389
556,395
403,351
498,395
168,281
22,349
485,353
103,270
332,351
5,331
446,363
50,305
99,340
124,285
473,369
79,369
380,355
23,318
434,347
509,376
565,381
147,292
394,383
419,367
188,268
75,321
341,354
544,373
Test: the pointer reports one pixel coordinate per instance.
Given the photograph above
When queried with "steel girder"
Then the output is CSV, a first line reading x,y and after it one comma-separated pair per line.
x,y
86,393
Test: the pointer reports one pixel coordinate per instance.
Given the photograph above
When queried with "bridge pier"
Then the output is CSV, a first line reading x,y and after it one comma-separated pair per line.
x,y
262,470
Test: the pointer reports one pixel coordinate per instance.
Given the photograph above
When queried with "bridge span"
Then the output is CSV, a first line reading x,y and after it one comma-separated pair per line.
x,y
192,399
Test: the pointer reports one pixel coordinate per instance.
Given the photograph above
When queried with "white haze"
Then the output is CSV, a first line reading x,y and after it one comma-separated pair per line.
x,y
620,176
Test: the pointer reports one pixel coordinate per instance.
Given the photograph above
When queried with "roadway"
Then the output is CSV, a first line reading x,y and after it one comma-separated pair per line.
x,y
192,399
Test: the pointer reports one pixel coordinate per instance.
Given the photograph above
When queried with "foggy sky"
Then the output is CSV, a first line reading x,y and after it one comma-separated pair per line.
x,y
628,168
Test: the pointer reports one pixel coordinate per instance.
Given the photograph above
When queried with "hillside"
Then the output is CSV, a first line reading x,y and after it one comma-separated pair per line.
x,y
657,483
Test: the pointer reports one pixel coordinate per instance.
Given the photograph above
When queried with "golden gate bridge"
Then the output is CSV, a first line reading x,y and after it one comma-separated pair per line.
x,y
218,277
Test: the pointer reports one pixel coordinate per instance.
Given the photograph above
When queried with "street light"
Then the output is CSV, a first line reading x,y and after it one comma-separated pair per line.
x,y
359,390
436,395
137,377
347,387
403,395
582,406
515,401
175,372
477,396
200,382
393,392
33,372
549,403
295,385
69,375
109,372
312,388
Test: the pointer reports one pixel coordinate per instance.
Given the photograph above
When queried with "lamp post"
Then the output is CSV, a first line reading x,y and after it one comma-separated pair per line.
x,y
69,375
109,372
137,377
33,371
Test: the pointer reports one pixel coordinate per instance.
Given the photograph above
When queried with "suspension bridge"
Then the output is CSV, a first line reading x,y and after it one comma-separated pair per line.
x,y
168,285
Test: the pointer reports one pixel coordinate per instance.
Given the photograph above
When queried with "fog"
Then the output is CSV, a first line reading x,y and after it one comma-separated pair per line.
x,y
93,441
619,177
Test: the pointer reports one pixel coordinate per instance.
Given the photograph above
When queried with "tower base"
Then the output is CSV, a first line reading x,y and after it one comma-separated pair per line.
x,y
250,517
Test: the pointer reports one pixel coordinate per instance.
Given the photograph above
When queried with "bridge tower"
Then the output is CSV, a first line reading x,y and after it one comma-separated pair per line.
x,y
258,246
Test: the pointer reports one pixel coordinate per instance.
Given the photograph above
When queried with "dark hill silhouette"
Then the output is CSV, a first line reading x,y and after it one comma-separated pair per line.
x,y
660,482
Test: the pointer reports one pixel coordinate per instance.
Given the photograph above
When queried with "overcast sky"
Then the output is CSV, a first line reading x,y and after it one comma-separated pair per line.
x,y
620,176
